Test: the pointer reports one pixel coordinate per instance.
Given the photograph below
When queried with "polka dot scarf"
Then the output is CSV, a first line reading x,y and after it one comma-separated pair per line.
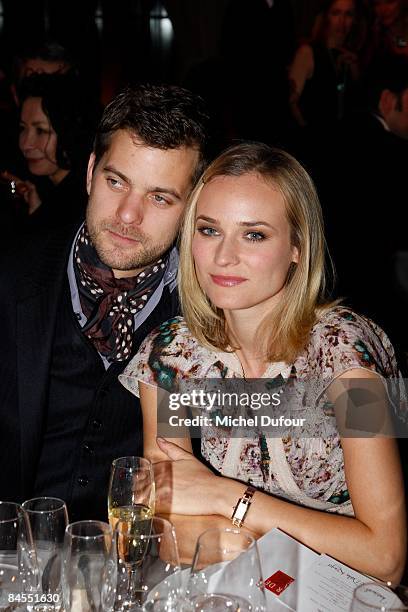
x,y
110,303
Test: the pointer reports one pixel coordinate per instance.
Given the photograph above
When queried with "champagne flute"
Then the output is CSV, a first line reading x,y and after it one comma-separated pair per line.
x,y
131,499
375,597
226,573
18,566
131,494
89,567
155,584
48,518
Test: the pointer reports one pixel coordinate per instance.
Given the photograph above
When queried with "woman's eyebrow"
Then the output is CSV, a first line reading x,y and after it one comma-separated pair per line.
x,y
255,223
242,223
208,219
35,123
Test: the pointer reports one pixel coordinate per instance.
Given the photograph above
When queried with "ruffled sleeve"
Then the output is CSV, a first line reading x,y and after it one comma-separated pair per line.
x,y
163,357
343,340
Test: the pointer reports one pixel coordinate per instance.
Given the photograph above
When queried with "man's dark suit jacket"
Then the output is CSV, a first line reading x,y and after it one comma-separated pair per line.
x,y
365,219
32,283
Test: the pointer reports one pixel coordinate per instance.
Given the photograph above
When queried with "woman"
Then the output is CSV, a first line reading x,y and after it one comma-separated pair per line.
x,y
252,292
55,140
325,69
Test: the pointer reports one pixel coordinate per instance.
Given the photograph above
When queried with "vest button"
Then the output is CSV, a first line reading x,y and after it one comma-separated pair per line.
x,y
88,449
83,481
96,424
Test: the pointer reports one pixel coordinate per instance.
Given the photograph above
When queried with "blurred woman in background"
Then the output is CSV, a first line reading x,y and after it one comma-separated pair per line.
x,y
324,68
55,139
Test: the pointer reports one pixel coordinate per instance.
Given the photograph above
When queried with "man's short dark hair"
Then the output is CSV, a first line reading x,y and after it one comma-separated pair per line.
x,y
161,116
390,72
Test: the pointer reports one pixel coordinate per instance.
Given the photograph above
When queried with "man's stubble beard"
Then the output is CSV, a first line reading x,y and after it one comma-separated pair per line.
x,y
144,255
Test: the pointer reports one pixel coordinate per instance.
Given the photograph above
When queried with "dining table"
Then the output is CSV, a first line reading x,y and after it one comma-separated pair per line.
x,y
296,578
188,528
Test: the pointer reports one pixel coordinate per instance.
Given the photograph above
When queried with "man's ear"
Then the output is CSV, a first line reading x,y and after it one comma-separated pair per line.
x,y
387,103
89,173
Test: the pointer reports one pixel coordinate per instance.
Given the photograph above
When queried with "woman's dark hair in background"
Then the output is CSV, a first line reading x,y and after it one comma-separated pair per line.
x,y
70,115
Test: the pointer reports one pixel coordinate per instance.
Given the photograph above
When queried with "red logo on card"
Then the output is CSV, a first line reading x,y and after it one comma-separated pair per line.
x,y
278,582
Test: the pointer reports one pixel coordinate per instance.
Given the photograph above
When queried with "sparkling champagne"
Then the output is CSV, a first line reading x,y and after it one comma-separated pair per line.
x,y
130,517
133,522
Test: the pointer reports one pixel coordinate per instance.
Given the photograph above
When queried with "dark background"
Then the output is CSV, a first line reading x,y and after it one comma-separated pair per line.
x,y
131,39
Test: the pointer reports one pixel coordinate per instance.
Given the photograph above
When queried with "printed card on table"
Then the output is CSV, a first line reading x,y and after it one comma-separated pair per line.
x,y
329,586
284,561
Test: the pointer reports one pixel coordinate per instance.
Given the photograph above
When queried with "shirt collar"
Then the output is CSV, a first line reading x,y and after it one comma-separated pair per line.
x,y
169,278
382,121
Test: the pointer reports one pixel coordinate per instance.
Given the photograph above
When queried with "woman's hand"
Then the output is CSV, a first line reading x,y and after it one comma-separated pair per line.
x,y
26,190
183,484
349,59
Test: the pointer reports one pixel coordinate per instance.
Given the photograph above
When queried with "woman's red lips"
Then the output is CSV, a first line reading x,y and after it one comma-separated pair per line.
x,y
227,281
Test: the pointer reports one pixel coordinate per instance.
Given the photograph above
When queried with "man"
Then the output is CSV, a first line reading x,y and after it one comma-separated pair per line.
x,y
48,56
76,309
365,199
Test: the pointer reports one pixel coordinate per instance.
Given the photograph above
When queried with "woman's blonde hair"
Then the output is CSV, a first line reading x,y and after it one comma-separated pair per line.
x,y
285,330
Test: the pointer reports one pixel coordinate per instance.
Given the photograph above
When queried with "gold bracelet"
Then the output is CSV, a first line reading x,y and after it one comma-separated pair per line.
x,y
242,507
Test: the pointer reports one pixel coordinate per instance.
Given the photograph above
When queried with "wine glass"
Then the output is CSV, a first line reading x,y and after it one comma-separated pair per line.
x,y
151,554
48,518
226,573
89,571
17,556
375,597
131,494
131,499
